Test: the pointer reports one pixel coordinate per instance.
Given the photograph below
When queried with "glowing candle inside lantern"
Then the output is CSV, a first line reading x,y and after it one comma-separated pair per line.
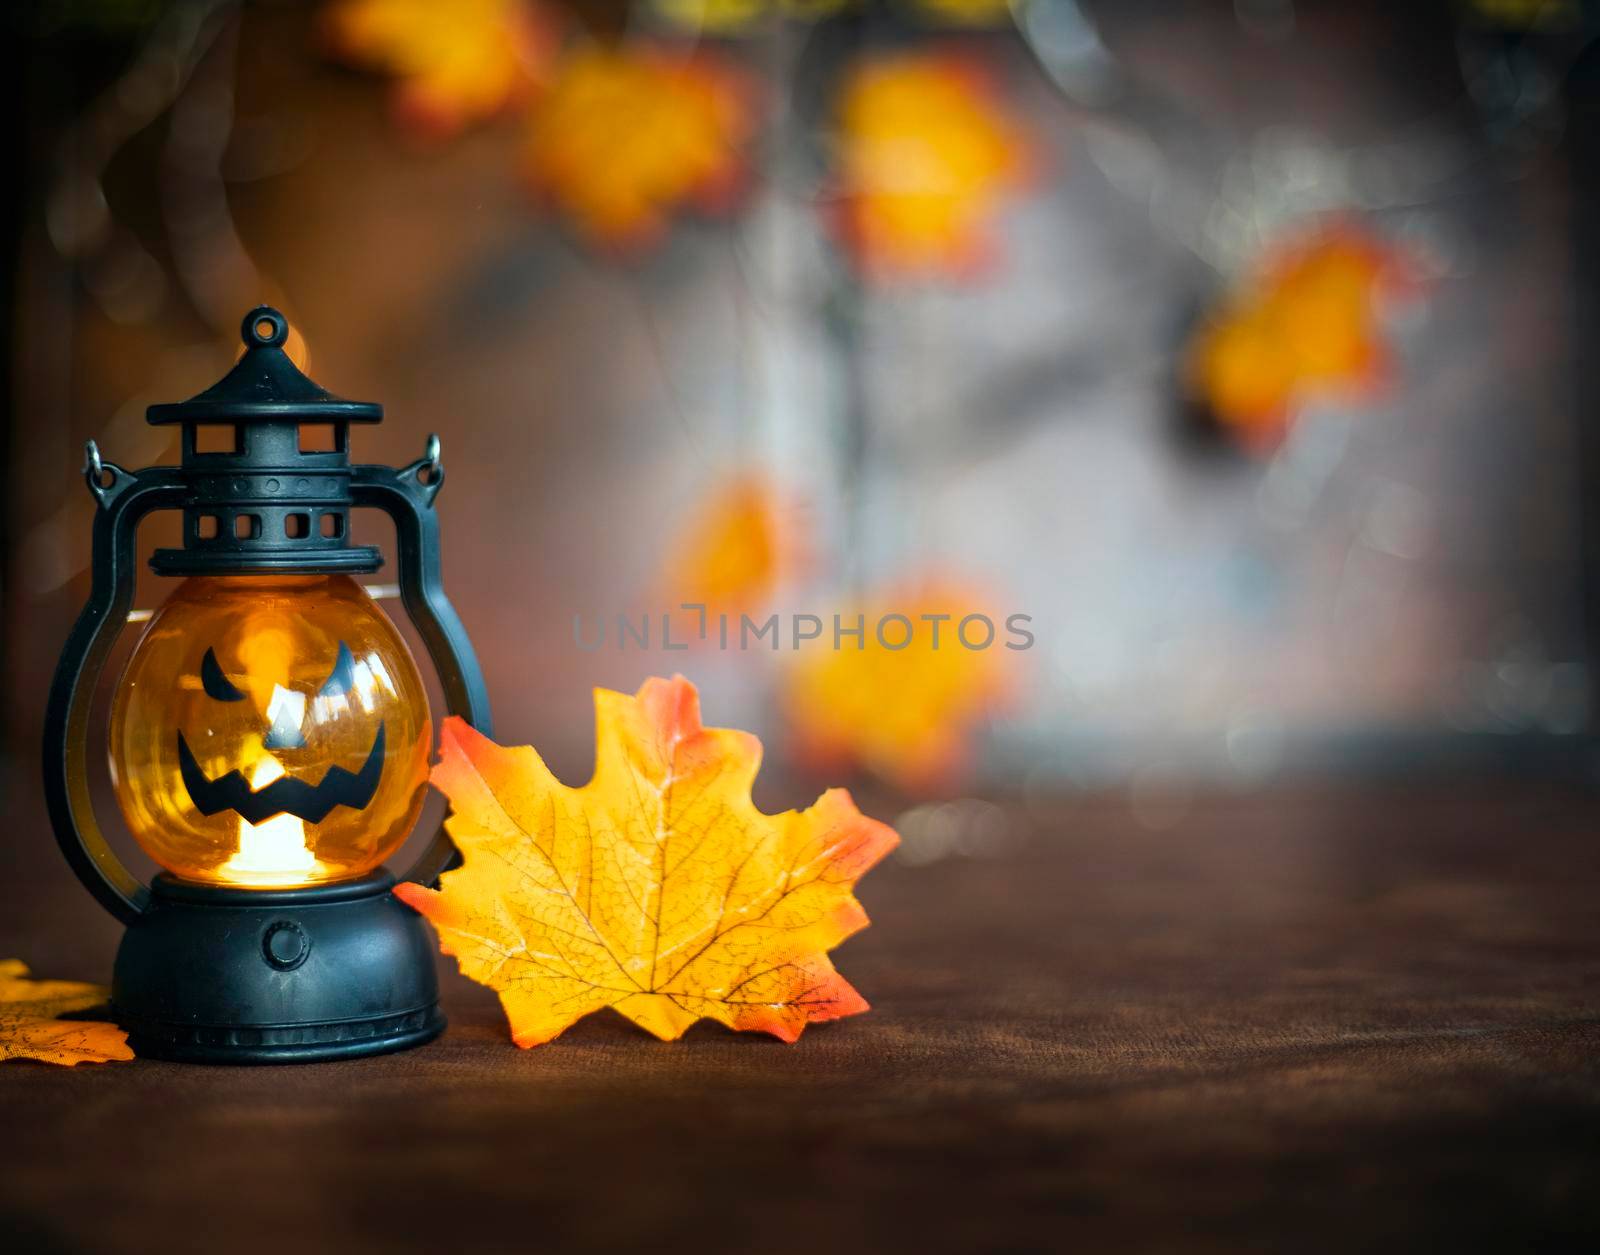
x,y
275,848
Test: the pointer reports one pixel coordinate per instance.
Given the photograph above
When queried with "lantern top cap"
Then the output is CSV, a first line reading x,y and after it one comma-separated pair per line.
x,y
265,386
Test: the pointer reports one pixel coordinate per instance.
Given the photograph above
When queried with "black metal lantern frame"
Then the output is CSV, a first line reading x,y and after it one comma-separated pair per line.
x,y
234,975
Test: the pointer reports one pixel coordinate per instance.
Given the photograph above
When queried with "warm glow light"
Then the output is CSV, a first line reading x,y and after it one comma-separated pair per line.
x,y
273,851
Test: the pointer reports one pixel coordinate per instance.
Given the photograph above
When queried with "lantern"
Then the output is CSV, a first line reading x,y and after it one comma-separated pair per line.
x,y
270,736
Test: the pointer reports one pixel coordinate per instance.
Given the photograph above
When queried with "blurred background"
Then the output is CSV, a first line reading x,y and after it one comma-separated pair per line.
x,y
1234,344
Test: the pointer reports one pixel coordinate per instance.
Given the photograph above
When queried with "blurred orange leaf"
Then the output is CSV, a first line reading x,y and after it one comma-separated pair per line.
x,y
928,157
457,63
29,1028
626,138
905,713
738,547
657,888
1305,326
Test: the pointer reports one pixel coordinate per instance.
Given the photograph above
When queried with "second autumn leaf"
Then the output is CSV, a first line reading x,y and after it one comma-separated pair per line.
x,y
658,888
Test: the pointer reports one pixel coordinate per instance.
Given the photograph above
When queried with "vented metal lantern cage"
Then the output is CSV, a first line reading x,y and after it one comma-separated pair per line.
x,y
270,736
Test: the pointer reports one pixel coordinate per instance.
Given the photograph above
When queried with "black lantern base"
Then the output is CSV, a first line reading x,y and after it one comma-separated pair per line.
x,y
222,975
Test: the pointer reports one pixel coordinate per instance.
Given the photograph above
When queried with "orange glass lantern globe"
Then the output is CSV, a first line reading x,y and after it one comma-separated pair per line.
x,y
270,731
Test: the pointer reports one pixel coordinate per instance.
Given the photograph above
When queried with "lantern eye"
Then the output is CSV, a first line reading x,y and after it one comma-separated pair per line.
x,y
217,686
343,676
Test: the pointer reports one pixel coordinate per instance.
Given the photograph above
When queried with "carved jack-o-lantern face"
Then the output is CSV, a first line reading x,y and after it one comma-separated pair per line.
x,y
286,795
270,731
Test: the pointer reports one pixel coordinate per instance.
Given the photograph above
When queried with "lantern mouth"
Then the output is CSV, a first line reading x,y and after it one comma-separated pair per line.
x,y
286,795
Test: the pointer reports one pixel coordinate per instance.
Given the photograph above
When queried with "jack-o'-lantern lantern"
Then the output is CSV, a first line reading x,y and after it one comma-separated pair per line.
x,y
270,735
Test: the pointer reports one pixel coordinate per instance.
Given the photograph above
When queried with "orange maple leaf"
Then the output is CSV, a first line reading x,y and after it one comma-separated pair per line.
x,y
1306,325
657,888
627,137
29,1028
927,158
905,712
741,543
456,64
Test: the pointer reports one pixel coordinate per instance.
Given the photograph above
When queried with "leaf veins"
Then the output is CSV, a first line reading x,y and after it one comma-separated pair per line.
x,y
30,1029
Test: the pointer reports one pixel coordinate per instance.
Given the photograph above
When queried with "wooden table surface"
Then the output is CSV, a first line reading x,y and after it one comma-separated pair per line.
x,y
1305,1020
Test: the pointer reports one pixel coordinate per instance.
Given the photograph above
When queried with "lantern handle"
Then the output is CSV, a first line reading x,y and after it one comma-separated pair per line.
x,y
123,499
406,496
